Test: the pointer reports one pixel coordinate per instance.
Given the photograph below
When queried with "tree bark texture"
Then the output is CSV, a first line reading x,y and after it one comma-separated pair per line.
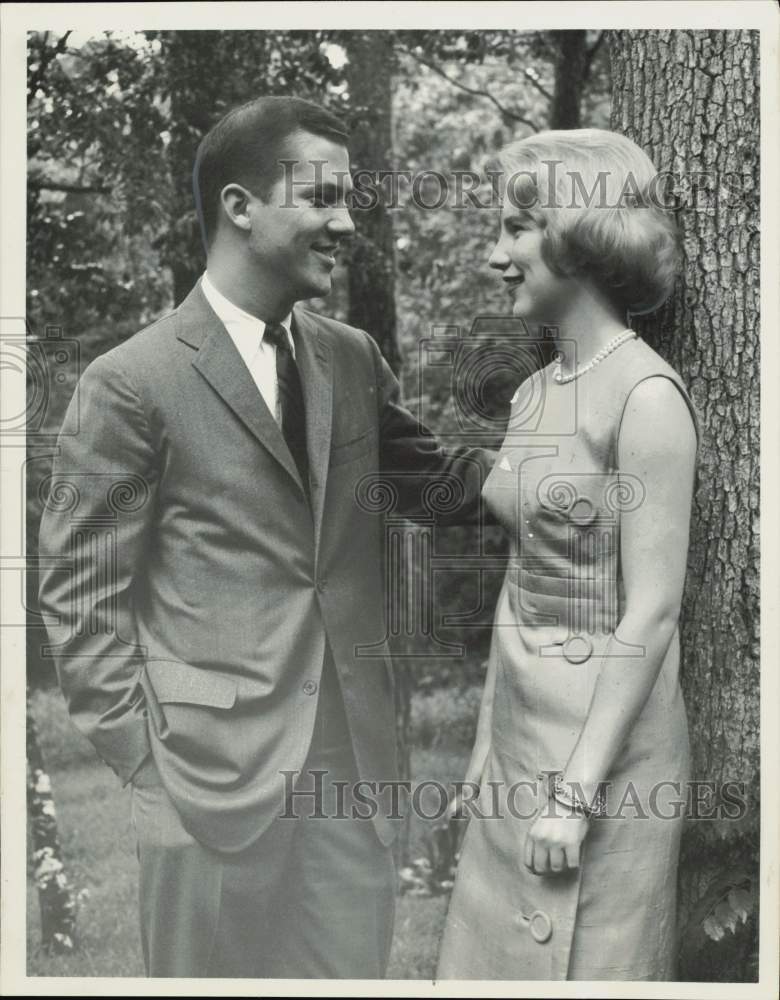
x,y
690,100
372,261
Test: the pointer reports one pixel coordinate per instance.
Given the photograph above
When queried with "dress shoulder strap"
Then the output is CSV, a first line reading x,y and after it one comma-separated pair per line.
x,y
644,363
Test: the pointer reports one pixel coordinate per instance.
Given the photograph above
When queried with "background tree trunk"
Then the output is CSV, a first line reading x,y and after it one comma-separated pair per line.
x,y
372,263
192,113
690,99
571,68
372,270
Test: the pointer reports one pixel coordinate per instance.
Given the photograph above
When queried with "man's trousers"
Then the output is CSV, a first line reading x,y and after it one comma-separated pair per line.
x,y
311,898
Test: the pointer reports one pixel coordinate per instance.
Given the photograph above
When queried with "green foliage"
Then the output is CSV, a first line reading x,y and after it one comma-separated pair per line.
x,y
719,898
95,142
99,855
445,716
62,746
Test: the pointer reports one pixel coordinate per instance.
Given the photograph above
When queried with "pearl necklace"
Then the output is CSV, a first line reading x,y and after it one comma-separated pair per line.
x,y
612,345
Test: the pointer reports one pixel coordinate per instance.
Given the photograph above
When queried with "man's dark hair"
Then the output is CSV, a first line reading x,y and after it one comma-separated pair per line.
x,y
245,147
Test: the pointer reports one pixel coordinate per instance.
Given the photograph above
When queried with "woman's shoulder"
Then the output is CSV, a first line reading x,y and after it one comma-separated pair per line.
x,y
643,362
650,382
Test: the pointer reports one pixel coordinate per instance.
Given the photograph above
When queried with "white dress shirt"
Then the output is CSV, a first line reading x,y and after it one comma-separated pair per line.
x,y
248,334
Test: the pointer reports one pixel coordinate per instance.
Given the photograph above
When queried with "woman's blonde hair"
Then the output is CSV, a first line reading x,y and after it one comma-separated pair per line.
x,y
598,198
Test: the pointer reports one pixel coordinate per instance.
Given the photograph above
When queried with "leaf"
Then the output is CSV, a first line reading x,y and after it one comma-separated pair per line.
x,y
725,916
741,902
727,901
712,928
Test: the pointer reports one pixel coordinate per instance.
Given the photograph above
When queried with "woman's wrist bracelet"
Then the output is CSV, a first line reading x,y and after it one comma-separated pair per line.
x,y
563,796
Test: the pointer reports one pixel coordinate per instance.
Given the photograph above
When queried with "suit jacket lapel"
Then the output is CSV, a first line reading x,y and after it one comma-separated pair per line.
x,y
313,355
219,362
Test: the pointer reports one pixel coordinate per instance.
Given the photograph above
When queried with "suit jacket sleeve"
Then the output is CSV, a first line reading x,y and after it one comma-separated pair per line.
x,y
95,525
428,479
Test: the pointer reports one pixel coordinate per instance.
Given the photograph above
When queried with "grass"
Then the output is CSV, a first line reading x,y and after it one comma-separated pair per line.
x,y
98,848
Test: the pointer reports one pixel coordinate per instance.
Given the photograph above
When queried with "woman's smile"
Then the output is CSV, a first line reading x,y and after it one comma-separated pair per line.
x,y
535,290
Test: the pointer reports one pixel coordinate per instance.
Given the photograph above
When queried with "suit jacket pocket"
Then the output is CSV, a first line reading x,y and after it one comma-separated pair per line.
x,y
174,682
349,450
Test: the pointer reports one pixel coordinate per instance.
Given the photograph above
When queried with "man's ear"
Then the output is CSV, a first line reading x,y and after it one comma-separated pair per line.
x,y
235,204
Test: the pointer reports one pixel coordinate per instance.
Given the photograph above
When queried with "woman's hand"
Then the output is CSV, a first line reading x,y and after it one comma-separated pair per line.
x,y
553,842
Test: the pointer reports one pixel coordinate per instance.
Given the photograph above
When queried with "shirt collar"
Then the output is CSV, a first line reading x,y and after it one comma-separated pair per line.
x,y
233,315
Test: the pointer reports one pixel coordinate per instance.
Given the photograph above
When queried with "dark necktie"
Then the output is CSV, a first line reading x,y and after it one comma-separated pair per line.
x,y
291,405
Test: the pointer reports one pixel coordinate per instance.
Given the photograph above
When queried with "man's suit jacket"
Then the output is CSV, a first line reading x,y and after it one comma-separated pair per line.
x,y
197,586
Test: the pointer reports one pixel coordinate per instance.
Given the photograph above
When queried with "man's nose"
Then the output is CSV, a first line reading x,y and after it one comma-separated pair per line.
x,y
340,223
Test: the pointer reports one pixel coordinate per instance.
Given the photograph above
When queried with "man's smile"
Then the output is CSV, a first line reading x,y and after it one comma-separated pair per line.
x,y
327,251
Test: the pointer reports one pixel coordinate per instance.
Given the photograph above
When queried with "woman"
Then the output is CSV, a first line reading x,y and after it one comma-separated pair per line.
x,y
593,485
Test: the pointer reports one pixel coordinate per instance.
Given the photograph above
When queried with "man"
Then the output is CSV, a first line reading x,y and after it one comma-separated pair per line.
x,y
217,649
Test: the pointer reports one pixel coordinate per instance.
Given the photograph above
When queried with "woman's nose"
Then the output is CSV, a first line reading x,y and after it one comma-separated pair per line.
x,y
499,258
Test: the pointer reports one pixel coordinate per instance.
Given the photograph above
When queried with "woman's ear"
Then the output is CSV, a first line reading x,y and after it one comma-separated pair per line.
x,y
235,204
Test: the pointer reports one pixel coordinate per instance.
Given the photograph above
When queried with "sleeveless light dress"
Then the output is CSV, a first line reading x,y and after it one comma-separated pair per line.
x,y
555,489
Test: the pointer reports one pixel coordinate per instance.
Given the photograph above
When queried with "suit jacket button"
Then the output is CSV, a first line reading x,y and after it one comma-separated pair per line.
x,y
309,687
321,586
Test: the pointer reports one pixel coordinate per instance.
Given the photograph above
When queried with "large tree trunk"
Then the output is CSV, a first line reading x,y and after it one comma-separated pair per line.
x,y
372,272
690,99
372,263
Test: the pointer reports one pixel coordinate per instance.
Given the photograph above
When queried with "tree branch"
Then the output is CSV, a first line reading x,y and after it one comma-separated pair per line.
x,y
41,184
529,75
512,115
47,56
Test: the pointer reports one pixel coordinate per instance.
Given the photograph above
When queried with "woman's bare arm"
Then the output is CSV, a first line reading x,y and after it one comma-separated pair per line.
x,y
657,445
